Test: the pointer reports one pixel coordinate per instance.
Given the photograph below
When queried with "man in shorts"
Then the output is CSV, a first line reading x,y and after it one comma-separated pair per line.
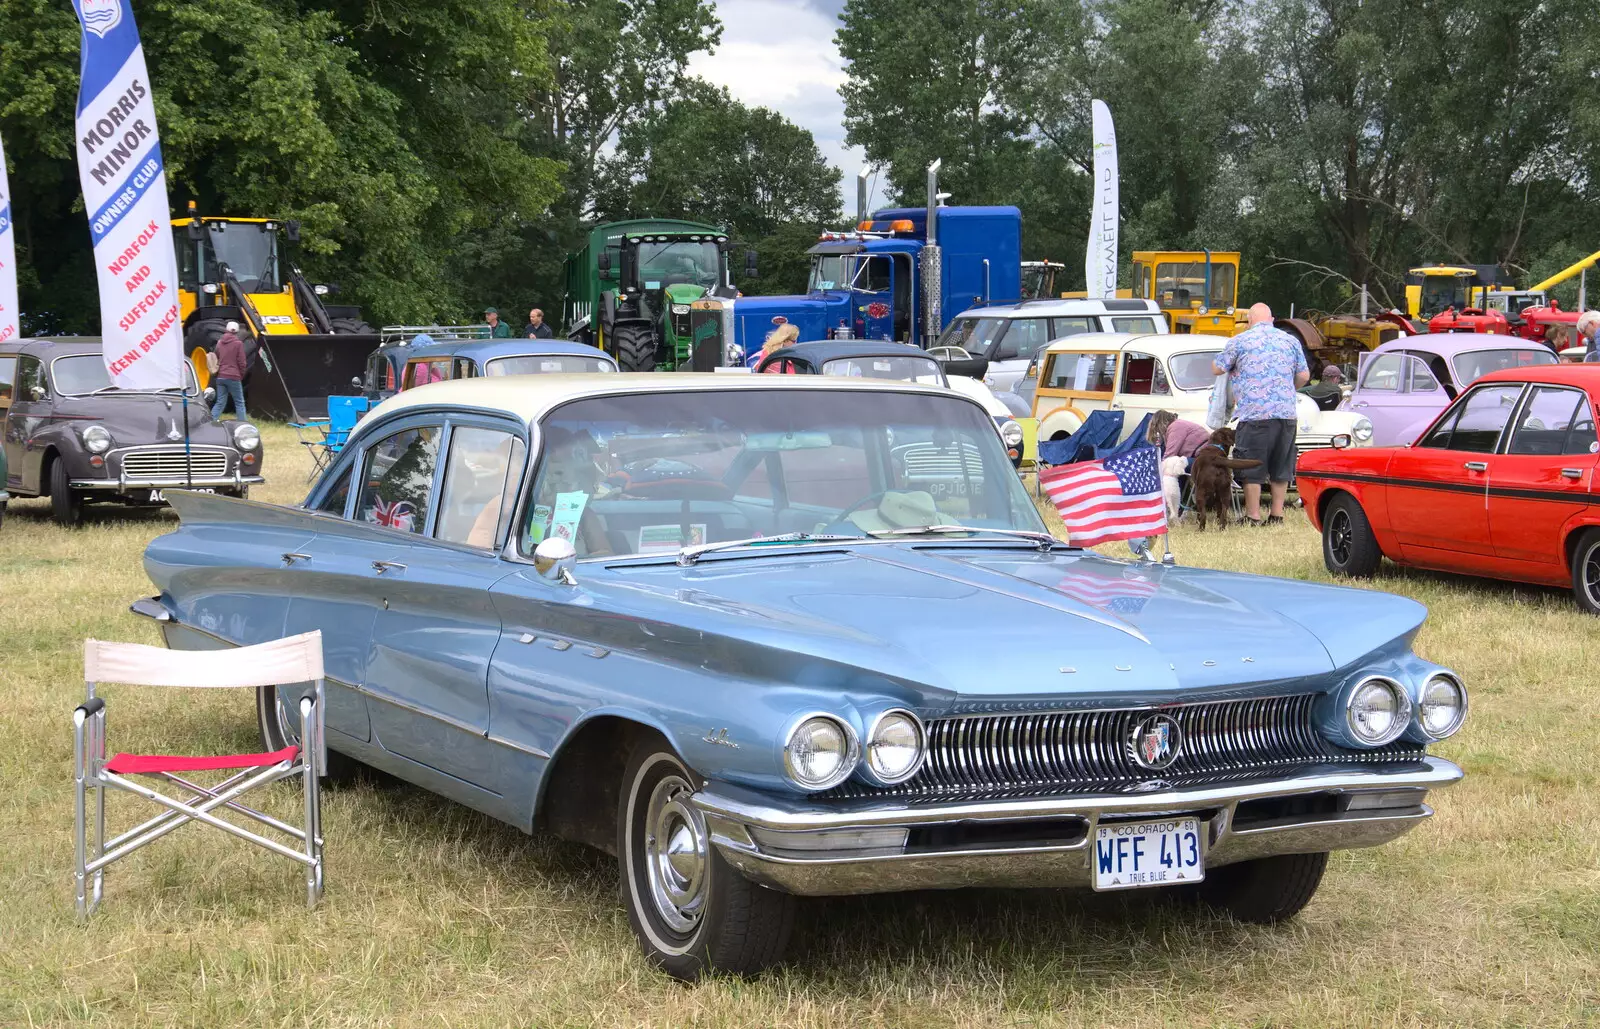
x,y
1265,367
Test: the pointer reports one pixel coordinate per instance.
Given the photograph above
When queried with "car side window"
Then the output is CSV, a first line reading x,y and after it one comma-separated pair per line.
x,y
1475,423
8,378
1383,373
1083,372
1554,421
338,498
1422,380
1023,339
1143,375
397,480
481,477
1071,326
30,379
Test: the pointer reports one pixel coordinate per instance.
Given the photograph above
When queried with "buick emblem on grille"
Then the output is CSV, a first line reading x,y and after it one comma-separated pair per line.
x,y
1155,741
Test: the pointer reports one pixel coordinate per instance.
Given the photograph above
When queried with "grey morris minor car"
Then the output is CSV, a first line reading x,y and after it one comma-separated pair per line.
x,y
73,437
770,637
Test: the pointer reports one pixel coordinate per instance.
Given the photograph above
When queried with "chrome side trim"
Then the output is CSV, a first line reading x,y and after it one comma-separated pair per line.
x,y
522,747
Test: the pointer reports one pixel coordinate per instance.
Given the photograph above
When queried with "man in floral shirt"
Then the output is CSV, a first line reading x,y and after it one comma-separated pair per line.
x,y
1265,367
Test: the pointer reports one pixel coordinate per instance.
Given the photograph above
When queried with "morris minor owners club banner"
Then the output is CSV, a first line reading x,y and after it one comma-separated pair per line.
x,y
125,194
1100,263
8,260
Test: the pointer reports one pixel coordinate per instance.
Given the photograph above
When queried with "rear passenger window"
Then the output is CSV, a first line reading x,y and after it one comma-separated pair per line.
x,y
397,482
1023,339
8,378
1555,421
1071,327
339,497
480,483
1083,372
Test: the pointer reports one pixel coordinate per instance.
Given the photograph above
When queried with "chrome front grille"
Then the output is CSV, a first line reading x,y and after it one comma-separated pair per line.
x,y
1302,444
1089,751
149,463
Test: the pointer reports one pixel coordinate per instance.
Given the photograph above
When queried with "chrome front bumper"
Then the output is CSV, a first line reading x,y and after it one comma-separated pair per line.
x,y
126,485
809,848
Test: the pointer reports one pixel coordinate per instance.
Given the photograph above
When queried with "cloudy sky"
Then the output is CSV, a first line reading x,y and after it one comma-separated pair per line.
x,y
780,54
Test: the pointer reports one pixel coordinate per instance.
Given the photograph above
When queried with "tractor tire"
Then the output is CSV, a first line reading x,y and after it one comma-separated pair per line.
x,y
351,327
635,348
66,505
198,341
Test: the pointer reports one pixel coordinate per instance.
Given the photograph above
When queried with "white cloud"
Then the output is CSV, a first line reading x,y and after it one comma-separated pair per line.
x,y
780,54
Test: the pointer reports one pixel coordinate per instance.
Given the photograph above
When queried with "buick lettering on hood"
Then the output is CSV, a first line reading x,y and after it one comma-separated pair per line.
x,y
775,637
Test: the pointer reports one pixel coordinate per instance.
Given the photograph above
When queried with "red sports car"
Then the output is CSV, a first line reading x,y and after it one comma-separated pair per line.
x,y
1501,484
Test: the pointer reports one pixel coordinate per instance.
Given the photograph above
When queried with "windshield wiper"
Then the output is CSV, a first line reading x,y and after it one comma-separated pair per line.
x,y
1043,540
689,555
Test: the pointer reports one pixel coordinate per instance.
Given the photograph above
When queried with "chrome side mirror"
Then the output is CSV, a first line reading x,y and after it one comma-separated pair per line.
x,y
554,559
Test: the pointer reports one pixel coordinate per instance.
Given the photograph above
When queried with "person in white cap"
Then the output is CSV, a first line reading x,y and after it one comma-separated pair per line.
x,y
231,366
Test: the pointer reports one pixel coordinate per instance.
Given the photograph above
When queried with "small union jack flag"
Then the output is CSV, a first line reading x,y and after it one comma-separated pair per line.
x,y
399,514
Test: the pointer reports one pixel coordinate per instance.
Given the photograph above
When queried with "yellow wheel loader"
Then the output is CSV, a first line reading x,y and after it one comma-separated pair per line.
x,y
233,270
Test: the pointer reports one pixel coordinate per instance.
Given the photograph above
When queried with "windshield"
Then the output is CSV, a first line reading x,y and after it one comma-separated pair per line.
x,y
1473,364
247,248
1440,292
830,271
1180,285
1193,370
903,369
672,264
534,364
652,472
84,373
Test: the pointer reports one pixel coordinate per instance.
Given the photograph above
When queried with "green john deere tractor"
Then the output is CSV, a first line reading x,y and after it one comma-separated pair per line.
x,y
639,289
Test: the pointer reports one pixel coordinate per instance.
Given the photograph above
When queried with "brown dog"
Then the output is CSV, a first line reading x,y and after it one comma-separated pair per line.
x,y
1211,477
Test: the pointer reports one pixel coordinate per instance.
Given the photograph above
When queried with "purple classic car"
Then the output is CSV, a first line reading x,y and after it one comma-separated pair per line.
x,y
1406,382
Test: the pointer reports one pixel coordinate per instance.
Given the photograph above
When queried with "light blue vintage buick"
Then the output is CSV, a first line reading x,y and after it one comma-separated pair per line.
x,y
779,636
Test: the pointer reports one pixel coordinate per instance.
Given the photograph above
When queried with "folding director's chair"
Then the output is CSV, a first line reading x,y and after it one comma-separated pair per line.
x,y
297,659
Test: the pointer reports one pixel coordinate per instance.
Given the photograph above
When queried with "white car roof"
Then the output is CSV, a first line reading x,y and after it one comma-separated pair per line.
x,y
530,397
1052,308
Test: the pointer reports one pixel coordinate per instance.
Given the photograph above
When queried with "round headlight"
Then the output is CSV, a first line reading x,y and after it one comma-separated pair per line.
x,y
895,747
97,439
1378,711
1011,432
821,752
1363,429
246,436
1443,706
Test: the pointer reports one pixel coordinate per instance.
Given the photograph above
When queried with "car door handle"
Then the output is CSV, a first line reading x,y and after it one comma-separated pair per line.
x,y
383,566
1359,403
291,558
1476,466
1572,473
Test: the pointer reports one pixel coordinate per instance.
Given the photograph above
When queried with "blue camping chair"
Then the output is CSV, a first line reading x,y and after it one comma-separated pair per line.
x,y
325,437
1096,439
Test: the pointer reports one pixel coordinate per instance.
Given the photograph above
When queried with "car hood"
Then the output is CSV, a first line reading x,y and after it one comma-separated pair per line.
x,y
141,419
985,623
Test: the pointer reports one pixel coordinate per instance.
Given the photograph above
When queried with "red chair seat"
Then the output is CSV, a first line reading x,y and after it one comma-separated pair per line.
x,y
135,764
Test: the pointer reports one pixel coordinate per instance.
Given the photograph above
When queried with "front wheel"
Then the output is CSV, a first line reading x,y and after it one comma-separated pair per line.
x,y
1348,545
635,348
1267,890
66,504
692,912
279,726
1586,571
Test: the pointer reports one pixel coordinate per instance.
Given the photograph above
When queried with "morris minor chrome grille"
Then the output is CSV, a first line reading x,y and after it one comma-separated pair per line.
x,y
168,463
1089,751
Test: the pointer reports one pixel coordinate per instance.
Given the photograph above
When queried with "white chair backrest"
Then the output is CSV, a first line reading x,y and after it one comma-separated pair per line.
x,y
276,663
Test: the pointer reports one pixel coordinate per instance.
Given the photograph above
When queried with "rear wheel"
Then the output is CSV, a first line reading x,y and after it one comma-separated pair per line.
x,y
66,504
692,912
351,327
635,348
1267,890
1348,545
1586,571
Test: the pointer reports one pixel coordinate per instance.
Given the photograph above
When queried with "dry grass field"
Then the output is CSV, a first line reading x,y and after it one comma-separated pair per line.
x,y
435,916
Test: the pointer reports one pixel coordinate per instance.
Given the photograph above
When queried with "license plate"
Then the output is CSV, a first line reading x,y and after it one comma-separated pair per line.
x,y
158,496
1160,852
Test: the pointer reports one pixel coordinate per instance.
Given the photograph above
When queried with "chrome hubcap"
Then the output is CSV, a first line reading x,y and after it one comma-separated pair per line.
x,y
675,851
1339,537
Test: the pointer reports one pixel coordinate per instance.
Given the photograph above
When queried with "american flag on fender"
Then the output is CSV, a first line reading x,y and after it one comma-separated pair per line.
x,y
1117,498
1123,594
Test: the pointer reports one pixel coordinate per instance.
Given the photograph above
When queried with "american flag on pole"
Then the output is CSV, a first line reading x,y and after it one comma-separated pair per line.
x,y
1117,498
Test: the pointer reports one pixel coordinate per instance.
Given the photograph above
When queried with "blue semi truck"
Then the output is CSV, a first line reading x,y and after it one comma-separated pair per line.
x,y
901,275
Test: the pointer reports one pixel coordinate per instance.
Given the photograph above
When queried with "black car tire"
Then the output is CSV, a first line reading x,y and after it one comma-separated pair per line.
x,y
350,327
1267,890
1586,571
1348,546
634,348
280,729
694,915
66,504
2,513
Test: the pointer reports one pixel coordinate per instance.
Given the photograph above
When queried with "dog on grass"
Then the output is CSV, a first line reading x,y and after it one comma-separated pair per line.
x,y
1211,476
1172,470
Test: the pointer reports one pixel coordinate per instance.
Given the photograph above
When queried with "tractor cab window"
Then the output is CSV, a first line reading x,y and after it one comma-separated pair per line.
x,y
831,271
188,252
1440,292
872,275
249,249
678,263
1183,284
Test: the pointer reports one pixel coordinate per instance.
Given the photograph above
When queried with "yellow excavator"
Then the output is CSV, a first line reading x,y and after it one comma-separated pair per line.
x,y
233,269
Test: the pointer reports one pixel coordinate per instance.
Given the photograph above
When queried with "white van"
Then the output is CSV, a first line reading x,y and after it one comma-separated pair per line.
x,y
1009,336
